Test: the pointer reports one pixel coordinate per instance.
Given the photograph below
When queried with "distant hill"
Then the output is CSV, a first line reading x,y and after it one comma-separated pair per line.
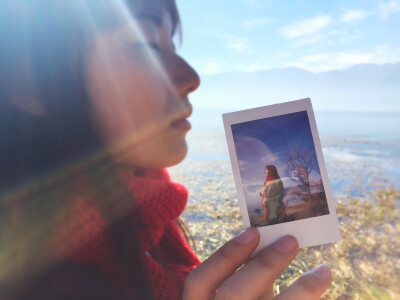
x,y
365,87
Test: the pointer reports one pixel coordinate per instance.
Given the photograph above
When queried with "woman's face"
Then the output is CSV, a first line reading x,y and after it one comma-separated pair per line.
x,y
139,90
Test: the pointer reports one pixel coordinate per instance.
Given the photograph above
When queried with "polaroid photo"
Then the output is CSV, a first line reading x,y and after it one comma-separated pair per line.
x,y
280,173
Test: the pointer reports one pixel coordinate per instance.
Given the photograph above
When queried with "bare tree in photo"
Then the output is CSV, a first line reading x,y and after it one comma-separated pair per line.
x,y
300,164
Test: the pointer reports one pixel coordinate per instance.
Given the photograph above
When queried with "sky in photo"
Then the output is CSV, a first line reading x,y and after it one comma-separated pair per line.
x,y
270,141
250,35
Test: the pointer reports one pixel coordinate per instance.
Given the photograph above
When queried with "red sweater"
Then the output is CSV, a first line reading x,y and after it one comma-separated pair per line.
x,y
82,240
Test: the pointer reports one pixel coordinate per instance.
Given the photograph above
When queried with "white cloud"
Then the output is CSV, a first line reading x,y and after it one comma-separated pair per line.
x,y
385,54
340,60
353,16
237,43
306,27
251,67
310,40
332,61
386,9
353,58
315,58
325,30
211,67
270,159
242,164
328,37
258,22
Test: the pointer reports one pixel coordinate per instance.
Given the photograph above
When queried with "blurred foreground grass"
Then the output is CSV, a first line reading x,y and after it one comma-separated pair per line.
x,y
365,263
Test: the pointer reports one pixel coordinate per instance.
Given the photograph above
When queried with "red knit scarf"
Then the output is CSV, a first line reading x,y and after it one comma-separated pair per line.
x,y
160,202
268,178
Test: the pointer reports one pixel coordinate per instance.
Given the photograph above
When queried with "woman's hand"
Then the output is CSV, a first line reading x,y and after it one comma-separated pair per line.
x,y
255,279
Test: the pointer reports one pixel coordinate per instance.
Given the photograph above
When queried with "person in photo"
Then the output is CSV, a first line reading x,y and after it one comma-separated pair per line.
x,y
272,196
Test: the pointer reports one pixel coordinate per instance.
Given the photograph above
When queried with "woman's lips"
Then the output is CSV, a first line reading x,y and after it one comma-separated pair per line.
x,y
182,124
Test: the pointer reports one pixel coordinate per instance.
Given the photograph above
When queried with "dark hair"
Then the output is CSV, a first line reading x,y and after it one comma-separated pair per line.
x,y
272,171
42,155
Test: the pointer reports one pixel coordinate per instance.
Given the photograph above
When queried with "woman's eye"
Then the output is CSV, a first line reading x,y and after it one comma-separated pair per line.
x,y
154,46
146,45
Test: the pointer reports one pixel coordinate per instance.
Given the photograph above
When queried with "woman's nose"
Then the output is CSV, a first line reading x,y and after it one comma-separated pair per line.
x,y
184,78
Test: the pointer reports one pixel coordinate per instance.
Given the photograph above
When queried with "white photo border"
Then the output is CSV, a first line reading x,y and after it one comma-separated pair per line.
x,y
311,231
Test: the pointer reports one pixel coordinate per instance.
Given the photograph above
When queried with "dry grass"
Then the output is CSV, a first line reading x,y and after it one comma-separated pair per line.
x,y
317,207
365,263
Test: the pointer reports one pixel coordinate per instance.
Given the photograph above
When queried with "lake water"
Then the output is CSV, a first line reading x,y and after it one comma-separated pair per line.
x,y
361,150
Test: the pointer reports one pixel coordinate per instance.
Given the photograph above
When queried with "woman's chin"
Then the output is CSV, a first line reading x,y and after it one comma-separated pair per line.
x,y
175,157
162,157
155,154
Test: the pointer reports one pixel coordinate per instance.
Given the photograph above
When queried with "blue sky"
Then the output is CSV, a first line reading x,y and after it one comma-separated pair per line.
x,y
279,133
269,141
249,35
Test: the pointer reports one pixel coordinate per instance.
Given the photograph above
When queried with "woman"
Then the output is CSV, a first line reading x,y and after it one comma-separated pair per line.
x,y
272,196
93,107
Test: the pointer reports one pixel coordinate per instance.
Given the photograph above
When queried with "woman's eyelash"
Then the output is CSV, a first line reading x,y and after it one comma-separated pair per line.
x,y
154,46
151,45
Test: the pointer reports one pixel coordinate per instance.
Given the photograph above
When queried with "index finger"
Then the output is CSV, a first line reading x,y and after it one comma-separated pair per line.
x,y
203,281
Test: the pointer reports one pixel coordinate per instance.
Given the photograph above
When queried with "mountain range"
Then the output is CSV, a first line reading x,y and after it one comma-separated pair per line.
x,y
364,87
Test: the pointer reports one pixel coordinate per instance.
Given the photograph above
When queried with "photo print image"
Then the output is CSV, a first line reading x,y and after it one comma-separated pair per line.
x,y
279,169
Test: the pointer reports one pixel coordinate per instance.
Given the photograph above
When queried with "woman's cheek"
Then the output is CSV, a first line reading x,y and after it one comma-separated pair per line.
x,y
129,95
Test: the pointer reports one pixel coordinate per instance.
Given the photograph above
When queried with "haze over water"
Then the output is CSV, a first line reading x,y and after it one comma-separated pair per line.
x,y
361,149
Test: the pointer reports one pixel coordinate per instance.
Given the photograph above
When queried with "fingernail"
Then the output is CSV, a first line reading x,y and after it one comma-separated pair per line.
x,y
322,271
247,236
286,244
